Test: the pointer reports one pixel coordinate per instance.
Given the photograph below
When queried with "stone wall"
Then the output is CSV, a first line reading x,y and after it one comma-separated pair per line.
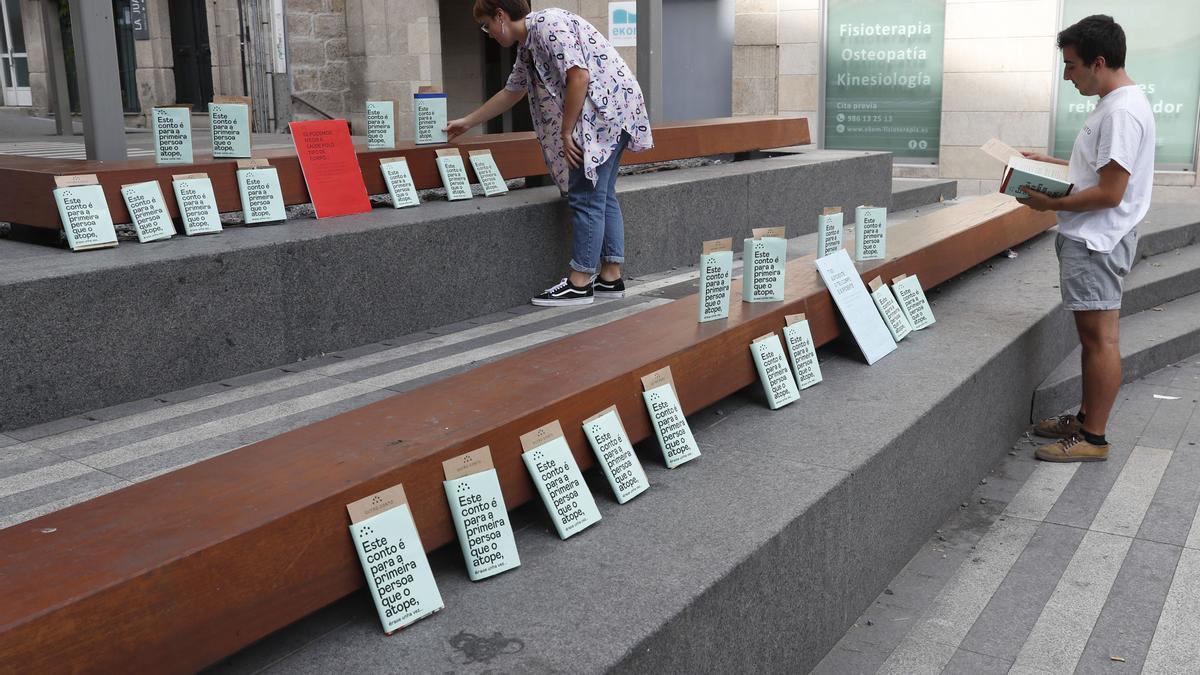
x,y
39,83
799,37
319,60
393,48
1000,70
776,58
755,57
155,61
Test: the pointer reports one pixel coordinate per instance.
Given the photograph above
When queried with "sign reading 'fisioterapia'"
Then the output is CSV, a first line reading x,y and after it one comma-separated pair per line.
x,y
883,76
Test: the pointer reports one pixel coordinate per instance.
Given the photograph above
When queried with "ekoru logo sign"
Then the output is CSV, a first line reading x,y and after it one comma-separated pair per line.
x,y
622,23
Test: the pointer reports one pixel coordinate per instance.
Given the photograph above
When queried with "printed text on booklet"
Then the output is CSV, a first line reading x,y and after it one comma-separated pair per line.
x,y
773,371
889,309
716,279
83,210
913,302
670,425
870,233
388,546
617,459
197,204
856,306
764,266
558,480
801,349
480,515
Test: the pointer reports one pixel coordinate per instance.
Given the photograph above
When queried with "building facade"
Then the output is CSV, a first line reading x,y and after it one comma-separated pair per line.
x,y
981,68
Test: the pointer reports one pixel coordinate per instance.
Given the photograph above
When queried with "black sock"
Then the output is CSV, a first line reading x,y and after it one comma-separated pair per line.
x,y
1081,416
1094,439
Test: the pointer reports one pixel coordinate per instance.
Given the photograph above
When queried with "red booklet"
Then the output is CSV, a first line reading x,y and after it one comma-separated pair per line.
x,y
330,166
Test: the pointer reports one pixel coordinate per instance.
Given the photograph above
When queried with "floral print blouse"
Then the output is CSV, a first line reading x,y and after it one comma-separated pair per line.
x,y
558,41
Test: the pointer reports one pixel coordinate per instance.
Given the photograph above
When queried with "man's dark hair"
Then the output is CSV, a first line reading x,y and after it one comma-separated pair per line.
x,y
1097,35
516,9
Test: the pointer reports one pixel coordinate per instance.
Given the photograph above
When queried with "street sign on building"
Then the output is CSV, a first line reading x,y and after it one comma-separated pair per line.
x,y
138,21
622,23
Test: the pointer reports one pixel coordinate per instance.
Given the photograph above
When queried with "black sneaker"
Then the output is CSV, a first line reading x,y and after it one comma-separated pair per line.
x,y
608,289
563,293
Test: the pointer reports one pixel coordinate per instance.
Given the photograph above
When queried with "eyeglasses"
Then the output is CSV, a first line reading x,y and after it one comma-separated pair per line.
x,y
483,27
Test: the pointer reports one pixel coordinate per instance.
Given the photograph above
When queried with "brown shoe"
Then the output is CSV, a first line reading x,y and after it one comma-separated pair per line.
x,y
1063,426
1072,449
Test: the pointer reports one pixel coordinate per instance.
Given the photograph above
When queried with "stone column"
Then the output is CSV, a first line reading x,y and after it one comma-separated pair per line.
x,y
1000,63
35,46
755,57
155,73
800,60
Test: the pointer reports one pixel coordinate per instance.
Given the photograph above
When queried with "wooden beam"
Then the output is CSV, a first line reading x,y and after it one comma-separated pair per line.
x,y
26,182
179,571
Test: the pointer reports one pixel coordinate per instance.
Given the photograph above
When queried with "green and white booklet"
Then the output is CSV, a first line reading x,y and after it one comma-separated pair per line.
x,y
558,480
262,198
381,125
389,548
480,516
856,306
399,182
148,211
454,174
764,264
773,372
797,334
1021,172
889,309
620,464
429,106
84,213
230,120
829,231
870,233
197,203
487,172
172,127
666,416
912,301
716,279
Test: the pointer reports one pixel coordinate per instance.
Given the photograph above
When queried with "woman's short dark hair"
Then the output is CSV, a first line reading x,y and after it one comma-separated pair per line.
x,y
1097,35
515,9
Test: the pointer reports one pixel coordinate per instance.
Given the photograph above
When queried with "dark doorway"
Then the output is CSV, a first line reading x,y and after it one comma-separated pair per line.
x,y
497,64
193,58
126,58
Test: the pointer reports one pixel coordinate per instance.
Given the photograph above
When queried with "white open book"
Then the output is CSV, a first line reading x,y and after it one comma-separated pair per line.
x,y
1021,172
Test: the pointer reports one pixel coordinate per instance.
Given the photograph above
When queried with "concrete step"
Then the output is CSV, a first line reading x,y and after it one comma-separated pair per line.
x,y
1162,278
909,193
1172,222
1150,340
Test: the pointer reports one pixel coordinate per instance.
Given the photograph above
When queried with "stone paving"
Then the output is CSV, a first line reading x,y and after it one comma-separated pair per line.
x,y
1059,568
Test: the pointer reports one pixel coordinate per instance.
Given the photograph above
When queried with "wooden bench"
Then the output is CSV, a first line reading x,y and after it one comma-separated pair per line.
x,y
184,569
26,182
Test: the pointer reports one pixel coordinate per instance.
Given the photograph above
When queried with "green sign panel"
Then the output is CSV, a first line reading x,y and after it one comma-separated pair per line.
x,y
883,76
1163,49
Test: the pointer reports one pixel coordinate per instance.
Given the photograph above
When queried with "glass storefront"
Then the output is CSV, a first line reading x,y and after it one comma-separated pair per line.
x,y
14,61
1163,49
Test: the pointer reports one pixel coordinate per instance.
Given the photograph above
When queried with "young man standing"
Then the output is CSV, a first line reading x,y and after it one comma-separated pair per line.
x,y
1112,168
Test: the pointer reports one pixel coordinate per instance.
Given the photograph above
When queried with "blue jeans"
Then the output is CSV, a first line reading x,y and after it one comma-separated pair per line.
x,y
599,230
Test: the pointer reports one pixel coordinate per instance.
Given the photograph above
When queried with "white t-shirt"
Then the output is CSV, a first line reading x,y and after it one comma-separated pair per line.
x,y
1121,130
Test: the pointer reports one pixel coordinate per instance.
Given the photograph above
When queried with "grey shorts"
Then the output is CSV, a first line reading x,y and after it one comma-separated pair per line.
x,y
1091,280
